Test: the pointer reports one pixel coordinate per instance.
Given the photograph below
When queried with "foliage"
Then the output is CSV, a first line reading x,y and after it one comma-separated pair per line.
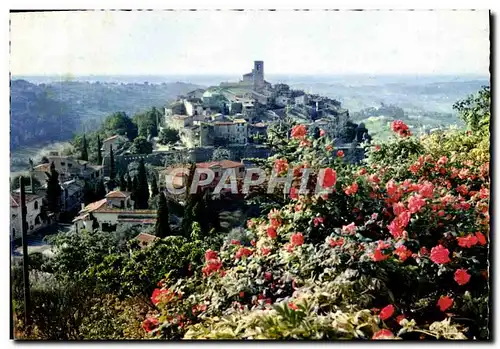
x,y
98,148
400,240
147,122
141,146
53,193
162,228
154,186
169,136
85,153
141,191
119,123
14,182
221,154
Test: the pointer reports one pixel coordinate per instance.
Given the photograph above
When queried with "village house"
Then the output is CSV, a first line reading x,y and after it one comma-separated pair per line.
x,y
114,210
68,168
223,133
178,179
33,214
115,141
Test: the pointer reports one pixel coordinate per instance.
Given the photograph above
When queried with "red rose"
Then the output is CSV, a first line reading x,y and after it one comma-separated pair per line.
x,y
444,302
268,276
235,242
340,153
265,251
243,251
293,306
462,276
415,203
294,193
386,312
467,241
211,255
383,334
481,238
242,294
280,165
329,178
271,232
440,255
329,147
297,239
318,220
350,228
322,133
150,324
378,255
298,131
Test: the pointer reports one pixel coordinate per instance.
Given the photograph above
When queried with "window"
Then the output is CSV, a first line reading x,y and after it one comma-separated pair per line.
x,y
122,204
36,205
37,220
70,165
63,163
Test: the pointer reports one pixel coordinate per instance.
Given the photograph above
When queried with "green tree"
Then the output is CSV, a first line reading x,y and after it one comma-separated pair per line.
x,y
99,153
100,190
142,191
14,183
135,186
154,187
119,123
53,194
142,146
475,110
89,194
169,136
123,183
130,187
162,227
85,153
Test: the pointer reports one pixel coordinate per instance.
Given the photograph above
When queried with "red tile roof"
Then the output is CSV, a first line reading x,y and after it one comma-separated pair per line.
x,y
15,198
145,239
117,194
223,164
94,206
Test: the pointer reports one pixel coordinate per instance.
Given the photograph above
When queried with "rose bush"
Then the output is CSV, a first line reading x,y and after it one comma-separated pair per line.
x,y
398,249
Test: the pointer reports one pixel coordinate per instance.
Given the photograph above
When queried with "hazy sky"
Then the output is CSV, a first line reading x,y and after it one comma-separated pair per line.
x,y
226,42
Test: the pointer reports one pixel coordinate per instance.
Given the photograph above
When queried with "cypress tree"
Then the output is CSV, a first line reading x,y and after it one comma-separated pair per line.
x,y
190,202
53,194
100,190
135,185
142,192
162,227
130,187
154,187
112,170
85,153
123,183
99,154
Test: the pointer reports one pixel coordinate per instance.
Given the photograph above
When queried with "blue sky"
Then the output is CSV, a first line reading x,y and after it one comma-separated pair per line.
x,y
226,42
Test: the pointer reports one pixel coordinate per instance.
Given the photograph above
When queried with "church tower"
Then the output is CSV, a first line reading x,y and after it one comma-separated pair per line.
x,y
258,75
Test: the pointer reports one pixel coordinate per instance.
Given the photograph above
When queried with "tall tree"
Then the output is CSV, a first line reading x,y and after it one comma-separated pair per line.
x,y
53,194
135,186
142,192
190,202
100,190
112,170
99,153
85,152
162,227
123,183
130,187
154,187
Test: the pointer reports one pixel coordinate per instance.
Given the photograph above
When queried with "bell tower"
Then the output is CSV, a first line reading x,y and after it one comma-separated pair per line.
x,y
258,74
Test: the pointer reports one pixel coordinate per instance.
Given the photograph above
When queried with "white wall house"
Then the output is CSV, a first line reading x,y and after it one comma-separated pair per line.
x,y
33,211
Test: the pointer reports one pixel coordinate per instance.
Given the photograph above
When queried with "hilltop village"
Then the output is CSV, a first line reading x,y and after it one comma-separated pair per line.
x,y
217,128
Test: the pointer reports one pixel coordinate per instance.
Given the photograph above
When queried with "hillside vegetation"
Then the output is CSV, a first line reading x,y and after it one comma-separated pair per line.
x,y
46,113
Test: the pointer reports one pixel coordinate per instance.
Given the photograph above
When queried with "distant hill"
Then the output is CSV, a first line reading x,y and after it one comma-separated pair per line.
x,y
51,112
